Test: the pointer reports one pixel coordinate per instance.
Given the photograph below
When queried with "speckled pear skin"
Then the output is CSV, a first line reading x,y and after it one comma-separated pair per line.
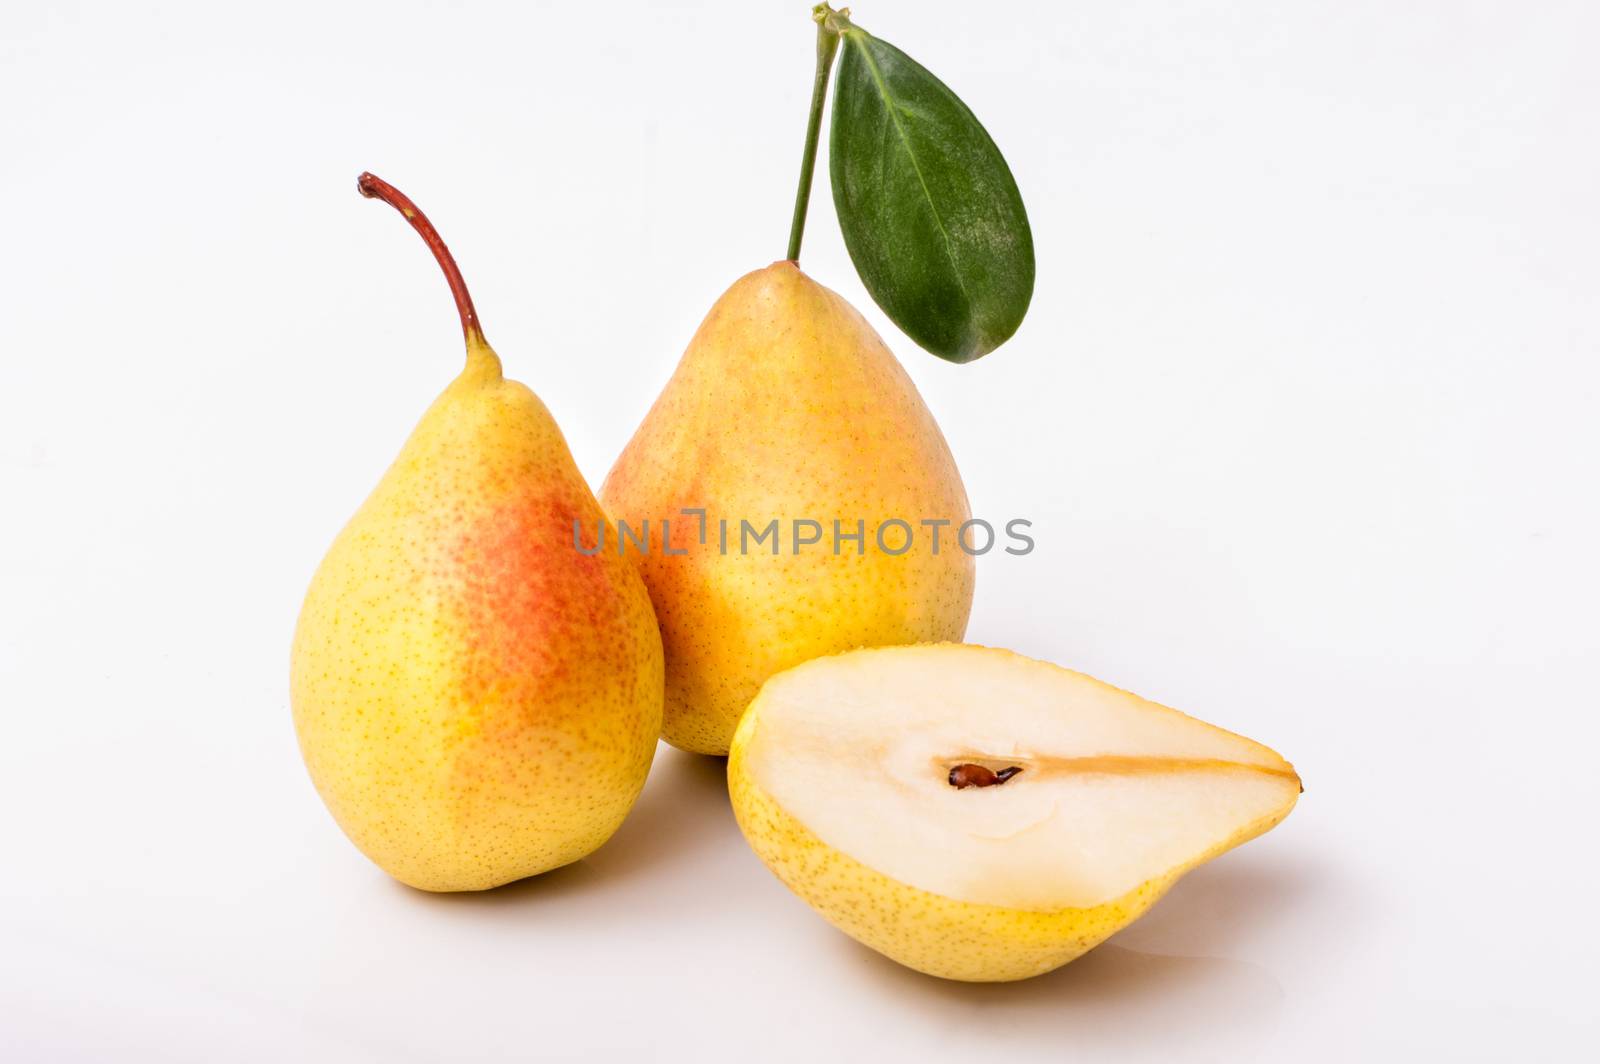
x,y
476,700
931,933
787,405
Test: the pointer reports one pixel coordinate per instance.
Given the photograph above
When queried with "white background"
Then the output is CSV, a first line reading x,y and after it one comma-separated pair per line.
x,y
1304,413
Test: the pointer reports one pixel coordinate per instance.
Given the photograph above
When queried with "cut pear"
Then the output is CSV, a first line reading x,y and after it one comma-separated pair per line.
x,y
980,815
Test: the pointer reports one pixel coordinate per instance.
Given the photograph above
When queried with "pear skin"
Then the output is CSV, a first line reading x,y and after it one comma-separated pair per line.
x,y
787,405
475,699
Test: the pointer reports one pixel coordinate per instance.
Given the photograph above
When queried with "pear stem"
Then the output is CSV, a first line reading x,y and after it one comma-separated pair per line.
x,y
827,46
374,187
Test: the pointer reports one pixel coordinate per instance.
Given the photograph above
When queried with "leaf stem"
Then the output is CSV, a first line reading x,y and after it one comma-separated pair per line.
x,y
827,47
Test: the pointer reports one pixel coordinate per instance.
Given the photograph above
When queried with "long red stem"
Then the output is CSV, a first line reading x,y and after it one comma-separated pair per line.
x,y
374,187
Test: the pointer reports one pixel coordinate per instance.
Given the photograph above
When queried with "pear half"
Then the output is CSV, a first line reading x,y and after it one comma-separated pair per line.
x,y
978,815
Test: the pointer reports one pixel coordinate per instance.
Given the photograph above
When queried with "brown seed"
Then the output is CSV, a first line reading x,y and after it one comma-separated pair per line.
x,y
970,775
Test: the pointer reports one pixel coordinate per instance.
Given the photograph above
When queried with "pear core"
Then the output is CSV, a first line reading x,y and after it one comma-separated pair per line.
x,y
865,749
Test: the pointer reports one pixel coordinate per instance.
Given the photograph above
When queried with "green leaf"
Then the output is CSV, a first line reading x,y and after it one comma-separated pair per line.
x,y
930,212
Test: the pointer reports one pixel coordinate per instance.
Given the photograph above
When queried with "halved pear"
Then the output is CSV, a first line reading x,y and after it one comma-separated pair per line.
x,y
978,815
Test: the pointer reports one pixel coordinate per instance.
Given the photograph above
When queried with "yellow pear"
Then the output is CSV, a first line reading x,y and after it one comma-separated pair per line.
x,y
787,407
476,700
982,816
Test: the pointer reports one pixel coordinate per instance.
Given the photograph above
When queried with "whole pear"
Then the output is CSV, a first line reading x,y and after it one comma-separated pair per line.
x,y
476,700
787,406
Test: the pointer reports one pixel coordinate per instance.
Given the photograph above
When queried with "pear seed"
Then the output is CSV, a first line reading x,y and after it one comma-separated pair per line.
x,y
969,775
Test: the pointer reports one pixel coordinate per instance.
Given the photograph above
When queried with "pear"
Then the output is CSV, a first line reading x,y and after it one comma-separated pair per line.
x,y
978,815
476,700
787,406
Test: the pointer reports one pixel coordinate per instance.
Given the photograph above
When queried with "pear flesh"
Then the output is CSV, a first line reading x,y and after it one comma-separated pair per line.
x,y
979,815
475,700
787,406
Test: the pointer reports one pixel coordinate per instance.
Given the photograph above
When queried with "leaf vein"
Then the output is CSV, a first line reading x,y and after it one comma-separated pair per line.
x,y
916,167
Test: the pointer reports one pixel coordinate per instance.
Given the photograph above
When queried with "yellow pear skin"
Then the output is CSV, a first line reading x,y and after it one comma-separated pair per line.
x,y
787,405
476,700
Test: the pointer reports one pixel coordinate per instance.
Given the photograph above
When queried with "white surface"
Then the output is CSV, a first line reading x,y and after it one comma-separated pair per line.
x,y
1304,413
